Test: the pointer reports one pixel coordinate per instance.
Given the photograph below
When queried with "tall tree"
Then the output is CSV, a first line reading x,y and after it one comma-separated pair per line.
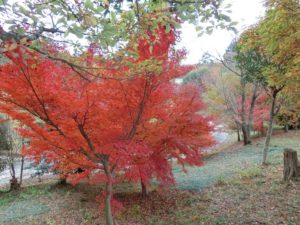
x,y
115,129
276,39
240,98
233,103
249,64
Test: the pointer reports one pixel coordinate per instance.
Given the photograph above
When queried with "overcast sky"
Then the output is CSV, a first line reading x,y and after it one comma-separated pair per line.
x,y
245,12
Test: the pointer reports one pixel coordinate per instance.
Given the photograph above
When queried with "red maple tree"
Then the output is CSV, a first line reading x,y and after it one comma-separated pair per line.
x,y
124,127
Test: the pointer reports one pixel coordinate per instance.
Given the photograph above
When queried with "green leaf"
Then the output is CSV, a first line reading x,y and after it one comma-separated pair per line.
x,y
225,17
36,44
99,9
113,16
88,4
199,28
61,20
168,27
76,30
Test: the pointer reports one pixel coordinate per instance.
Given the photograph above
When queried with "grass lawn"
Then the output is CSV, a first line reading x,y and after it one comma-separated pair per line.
x,y
234,192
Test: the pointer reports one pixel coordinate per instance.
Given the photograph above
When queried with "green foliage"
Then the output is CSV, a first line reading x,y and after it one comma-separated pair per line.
x,y
250,172
107,23
196,75
276,40
87,216
251,65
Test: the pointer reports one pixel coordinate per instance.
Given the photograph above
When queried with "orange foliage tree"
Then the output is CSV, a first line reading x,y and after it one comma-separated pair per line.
x,y
124,127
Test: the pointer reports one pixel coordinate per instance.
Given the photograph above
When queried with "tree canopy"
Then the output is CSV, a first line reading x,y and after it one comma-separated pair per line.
x,y
115,129
109,25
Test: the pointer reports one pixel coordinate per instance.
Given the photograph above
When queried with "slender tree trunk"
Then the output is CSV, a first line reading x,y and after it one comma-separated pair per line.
x,y
14,184
262,129
108,194
248,127
144,189
21,172
286,123
12,169
108,211
270,126
267,140
244,126
251,110
286,128
237,125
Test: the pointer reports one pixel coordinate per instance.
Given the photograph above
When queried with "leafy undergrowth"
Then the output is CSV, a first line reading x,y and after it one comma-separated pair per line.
x,y
252,195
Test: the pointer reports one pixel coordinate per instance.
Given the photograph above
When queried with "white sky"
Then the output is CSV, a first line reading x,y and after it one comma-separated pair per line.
x,y
245,12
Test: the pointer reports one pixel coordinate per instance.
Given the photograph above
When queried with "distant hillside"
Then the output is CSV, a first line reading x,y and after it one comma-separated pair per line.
x,y
196,75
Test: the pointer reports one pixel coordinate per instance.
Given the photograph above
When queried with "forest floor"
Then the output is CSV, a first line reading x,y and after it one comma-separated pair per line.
x,y
231,188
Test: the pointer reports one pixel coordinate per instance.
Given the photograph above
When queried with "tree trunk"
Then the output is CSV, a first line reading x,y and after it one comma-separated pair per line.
x,y
62,180
21,172
108,211
238,134
108,194
14,184
263,134
286,128
246,135
251,109
249,132
12,169
244,125
144,189
291,164
273,113
267,140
